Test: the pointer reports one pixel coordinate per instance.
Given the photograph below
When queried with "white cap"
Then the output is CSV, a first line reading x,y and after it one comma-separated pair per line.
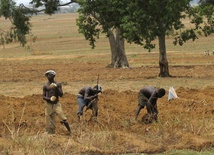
x,y
98,88
50,72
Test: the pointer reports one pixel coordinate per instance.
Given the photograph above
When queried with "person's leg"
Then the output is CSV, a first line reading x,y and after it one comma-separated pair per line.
x,y
95,108
137,111
66,124
63,118
94,111
149,108
155,112
81,103
49,118
141,103
152,111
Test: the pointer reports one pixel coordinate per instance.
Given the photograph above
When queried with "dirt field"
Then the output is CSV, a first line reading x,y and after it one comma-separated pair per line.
x,y
184,123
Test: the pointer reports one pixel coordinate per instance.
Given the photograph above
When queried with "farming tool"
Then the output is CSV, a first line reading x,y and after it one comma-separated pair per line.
x,y
93,103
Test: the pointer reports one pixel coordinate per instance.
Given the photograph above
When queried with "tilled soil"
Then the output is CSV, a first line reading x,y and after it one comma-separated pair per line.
x,y
184,123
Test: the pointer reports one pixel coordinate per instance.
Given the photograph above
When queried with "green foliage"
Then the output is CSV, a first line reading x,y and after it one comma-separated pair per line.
x,y
98,17
19,17
88,25
206,2
6,8
184,36
50,5
143,21
202,18
140,21
148,19
22,24
208,12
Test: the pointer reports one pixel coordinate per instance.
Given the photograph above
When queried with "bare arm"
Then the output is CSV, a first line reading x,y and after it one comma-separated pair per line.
x,y
59,89
44,94
153,98
86,95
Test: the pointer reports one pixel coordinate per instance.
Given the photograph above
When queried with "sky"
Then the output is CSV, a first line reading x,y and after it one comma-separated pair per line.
x,y
22,1
26,2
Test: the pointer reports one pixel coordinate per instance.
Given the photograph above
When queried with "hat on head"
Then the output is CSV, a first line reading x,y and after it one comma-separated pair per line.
x,y
50,72
98,88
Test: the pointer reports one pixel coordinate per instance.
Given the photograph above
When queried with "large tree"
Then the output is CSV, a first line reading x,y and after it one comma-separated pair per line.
x,y
151,19
143,21
19,17
102,16
205,2
138,21
20,21
86,23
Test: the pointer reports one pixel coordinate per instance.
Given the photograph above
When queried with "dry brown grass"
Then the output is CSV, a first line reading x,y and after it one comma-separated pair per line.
x,y
186,123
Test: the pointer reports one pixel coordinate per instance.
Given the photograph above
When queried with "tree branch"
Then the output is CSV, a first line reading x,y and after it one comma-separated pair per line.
x,y
40,10
65,4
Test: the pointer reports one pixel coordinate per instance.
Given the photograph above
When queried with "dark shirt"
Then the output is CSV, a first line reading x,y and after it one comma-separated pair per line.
x,y
87,93
151,93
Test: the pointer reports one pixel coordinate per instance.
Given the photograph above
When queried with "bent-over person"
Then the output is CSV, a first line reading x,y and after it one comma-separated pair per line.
x,y
88,96
148,97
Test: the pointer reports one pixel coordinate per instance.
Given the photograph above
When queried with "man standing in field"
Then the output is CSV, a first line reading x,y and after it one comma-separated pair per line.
x,y
88,97
148,97
52,90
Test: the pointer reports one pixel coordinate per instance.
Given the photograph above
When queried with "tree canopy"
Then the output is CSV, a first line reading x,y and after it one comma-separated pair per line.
x,y
19,17
132,16
98,17
20,20
137,21
143,21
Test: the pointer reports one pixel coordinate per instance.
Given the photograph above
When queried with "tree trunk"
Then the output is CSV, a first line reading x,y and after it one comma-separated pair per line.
x,y
112,43
163,62
118,55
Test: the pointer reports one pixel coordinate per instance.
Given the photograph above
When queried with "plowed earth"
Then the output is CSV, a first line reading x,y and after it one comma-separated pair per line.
x,y
184,123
